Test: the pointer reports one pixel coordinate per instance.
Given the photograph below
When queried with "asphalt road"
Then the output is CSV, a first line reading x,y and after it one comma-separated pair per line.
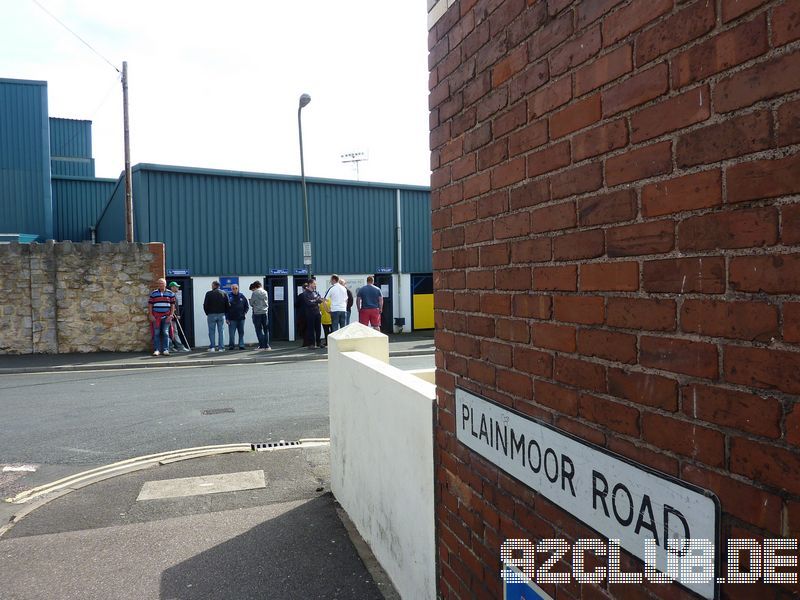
x,y
83,419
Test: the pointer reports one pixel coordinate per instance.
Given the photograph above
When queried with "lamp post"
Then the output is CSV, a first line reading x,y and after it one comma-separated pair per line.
x,y
304,100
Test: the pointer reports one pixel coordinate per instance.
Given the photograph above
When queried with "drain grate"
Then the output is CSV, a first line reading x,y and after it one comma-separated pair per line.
x,y
216,411
273,445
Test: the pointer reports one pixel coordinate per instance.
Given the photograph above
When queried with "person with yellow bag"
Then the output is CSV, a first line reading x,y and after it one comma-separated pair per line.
x,y
325,308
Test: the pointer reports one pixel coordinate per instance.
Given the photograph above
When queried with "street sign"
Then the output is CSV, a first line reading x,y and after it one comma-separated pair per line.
x,y
225,282
178,272
306,253
301,271
514,589
384,270
279,271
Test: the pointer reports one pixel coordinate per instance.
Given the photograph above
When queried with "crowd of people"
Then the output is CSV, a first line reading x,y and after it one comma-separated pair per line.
x,y
315,313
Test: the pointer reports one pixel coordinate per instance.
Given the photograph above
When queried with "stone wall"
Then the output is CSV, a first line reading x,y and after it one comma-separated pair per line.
x,y
65,297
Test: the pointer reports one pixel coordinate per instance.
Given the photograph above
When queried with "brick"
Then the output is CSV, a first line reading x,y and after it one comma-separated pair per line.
x,y
553,337
550,36
512,330
729,408
643,388
467,302
676,30
509,173
609,414
477,137
531,250
579,373
689,192
492,205
766,80
786,22
530,193
636,90
641,313
766,464
750,228
582,244
762,368
671,114
753,321
599,140
478,232
556,278
588,12
575,52
764,179
514,117
633,17
516,384
616,276
535,362
493,154
792,425
578,429
461,168
685,275
777,274
603,70
509,65
555,217
463,212
577,180
588,310
610,345
742,500
555,94
791,322
532,78
532,306
732,9
515,278
576,116
549,159
495,254
481,371
788,124
613,207
513,225
684,438
721,52
728,139
564,400
480,280
642,163
528,138
654,237
634,451
496,304
698,359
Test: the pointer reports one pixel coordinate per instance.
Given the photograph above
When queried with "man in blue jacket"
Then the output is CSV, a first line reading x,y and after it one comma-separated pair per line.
x,y
235,315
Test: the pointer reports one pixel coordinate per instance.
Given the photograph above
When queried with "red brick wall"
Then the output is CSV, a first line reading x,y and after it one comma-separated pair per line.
x,y
616,213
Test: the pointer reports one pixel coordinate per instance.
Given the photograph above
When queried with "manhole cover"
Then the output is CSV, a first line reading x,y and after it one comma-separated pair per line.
x,y
216,411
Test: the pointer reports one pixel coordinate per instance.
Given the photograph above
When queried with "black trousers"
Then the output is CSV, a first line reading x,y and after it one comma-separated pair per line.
x,y
313,335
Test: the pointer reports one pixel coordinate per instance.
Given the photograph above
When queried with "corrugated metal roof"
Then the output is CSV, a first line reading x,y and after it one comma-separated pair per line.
x,y
25,197
221,222
77,204
72,167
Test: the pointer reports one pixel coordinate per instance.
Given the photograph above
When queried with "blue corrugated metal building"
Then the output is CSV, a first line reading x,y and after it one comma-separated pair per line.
x,y
217,224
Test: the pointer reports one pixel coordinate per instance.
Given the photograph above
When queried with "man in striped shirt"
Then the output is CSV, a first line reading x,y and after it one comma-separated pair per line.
x,y
161,310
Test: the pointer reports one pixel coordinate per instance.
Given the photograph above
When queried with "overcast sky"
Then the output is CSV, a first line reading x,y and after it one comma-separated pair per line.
x,y
216,84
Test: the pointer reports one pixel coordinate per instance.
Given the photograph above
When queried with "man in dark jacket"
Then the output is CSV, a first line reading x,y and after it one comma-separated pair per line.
x,y
311,301
215,305
234,317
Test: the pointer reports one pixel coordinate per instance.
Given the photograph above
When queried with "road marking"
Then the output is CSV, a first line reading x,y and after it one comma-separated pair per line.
x,y
204,484
20,468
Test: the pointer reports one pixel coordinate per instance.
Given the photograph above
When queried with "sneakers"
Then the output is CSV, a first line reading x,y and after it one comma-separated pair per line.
x,y
156,353
211,349
220,349
166,353
268,348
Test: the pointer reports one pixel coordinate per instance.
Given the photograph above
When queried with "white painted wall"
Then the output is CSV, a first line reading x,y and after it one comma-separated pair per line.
x,y
201,285
381,421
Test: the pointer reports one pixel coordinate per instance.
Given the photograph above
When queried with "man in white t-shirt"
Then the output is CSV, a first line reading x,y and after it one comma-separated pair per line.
x,y
337,294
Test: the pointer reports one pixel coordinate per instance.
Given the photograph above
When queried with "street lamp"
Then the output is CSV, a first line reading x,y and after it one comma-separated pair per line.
x,y
304,100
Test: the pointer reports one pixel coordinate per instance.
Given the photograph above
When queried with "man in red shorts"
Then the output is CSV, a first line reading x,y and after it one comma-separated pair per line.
x,y
369,302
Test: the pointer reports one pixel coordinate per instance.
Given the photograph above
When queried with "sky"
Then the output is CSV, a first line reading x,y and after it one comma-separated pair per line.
x,y
216,84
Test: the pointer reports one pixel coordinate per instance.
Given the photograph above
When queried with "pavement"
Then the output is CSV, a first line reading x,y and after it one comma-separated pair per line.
x,y
228,523
409,344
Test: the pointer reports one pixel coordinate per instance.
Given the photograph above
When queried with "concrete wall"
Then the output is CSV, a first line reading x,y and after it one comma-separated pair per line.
x,y
65,297
382,456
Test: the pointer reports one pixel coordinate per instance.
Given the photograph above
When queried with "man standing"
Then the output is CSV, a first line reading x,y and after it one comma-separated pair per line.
x,y
215,305
161,309
369,302
349,301
259,300
311,301
174,334
237,309
337,294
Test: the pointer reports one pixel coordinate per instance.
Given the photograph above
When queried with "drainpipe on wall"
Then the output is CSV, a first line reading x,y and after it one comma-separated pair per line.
x,y
399,240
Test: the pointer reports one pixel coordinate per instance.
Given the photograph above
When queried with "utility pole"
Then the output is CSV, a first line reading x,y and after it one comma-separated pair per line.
x,y
128,186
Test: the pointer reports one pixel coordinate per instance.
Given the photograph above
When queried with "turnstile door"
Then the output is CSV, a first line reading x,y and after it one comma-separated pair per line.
x,y
280,299
384,283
